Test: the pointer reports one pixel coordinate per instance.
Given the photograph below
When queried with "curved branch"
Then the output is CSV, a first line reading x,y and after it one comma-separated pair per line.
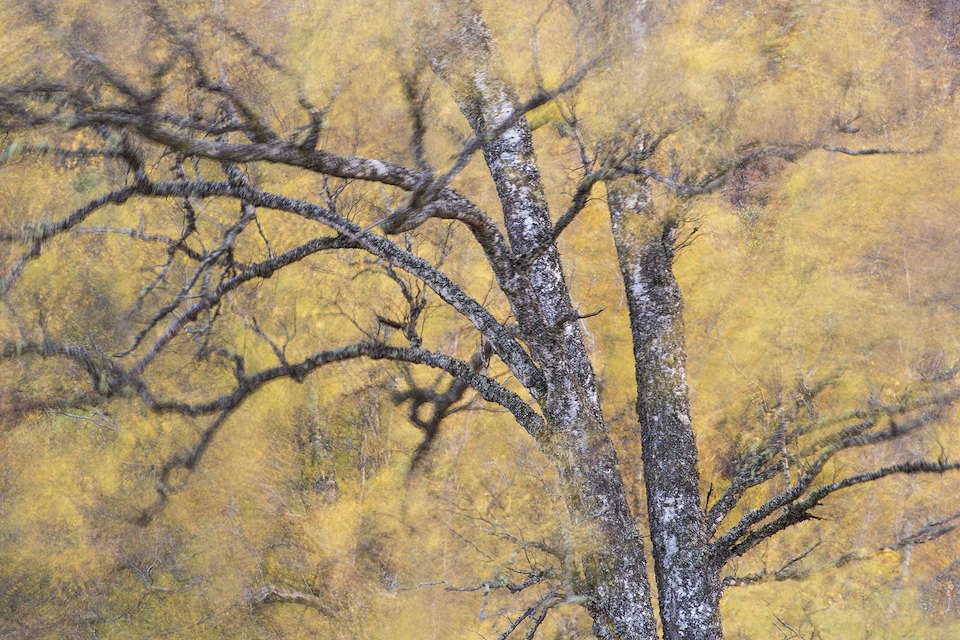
x,y
503,342
106,379
277,594
173,132
488,388
355,236
42,231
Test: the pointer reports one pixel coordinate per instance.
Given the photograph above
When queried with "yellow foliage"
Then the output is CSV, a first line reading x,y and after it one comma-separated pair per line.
x,y
841,265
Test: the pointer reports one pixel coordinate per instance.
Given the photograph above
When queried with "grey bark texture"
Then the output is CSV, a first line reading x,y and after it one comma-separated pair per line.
x,y
688,584
613,572
605,567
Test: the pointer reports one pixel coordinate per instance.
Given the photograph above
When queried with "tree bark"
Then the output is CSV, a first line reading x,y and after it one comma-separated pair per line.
x,y
687,582
611,566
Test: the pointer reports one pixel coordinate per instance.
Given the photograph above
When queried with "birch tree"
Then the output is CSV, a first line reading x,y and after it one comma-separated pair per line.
x,y
179,133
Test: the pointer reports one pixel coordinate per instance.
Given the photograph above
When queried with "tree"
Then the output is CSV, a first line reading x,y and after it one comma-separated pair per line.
x,y
179,109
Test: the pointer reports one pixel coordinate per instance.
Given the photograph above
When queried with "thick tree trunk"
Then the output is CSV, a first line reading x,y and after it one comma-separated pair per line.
x,y
688,586
610,562
608,549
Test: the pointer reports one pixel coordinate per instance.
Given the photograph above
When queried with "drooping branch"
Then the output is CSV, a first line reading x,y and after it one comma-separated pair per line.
x,y
190,137
465,375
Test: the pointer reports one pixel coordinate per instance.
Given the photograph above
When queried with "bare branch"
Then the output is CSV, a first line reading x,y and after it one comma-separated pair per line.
x,y
798,510
717,177
278,594
785,572
534,578
868,428
504,344
176,244
42,231
172,132
547,600
791,571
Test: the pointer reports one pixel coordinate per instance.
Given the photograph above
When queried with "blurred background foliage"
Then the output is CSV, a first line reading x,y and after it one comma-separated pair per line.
x,y
829,268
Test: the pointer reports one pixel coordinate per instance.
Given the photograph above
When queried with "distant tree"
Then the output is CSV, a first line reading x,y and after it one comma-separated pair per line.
x,y
173,128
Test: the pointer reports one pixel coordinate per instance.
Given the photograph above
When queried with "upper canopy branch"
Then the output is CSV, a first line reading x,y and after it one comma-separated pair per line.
x,y
429,190
28,107
717,177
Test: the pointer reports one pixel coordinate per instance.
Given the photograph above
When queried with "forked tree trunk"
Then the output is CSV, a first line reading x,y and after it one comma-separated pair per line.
x,y
687,583
610,563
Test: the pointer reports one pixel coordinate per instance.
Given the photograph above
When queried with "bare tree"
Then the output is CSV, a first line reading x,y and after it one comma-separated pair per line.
x,y
530,358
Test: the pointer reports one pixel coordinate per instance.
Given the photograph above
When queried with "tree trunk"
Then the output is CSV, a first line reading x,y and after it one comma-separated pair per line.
x,y
687,583
610,562
608,549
